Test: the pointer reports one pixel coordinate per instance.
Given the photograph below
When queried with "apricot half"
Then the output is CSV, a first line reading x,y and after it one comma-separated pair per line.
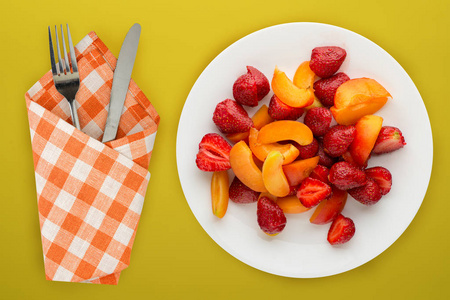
x,y
304,77
297,171
356,98
284,131
289,151
273,176
367,129
288,93
243,166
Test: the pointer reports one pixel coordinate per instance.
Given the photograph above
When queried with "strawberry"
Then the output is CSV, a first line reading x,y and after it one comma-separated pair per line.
x,y
251,87
213,154
346,176
318,119
321,173
280,111
326,88
368,194
271,218
325,61
293,190
230,117
312,191
324,158
338,138
389,139
309,150
382,178
240,193
341,230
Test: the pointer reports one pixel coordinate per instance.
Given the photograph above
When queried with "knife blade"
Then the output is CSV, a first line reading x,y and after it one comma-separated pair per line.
x,y
121,81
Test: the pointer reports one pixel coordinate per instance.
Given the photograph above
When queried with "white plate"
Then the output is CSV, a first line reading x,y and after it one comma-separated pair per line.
x,y
302,250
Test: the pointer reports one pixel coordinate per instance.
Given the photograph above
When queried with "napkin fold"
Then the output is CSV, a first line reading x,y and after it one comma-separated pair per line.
x,y
90,195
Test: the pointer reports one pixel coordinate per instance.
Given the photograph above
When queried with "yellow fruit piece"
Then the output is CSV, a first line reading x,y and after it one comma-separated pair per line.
x,y
288,93
219,193
243,166
274,179
284,131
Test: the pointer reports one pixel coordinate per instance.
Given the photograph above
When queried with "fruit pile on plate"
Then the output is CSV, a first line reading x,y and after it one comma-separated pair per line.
x,y
308,149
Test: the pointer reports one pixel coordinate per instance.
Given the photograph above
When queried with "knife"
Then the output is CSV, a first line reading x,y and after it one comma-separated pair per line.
x,y
121,81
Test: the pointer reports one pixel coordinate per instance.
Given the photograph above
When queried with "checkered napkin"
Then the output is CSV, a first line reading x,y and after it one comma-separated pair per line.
x,y
90,194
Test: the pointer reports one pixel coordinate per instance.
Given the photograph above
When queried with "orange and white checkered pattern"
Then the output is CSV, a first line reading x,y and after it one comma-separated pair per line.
x,y
90,194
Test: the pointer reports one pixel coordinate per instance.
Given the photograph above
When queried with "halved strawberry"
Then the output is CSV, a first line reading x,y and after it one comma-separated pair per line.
x,y
213,154
326,88
230,117
346,176
325,61
382,178
341,230
270,216
389,139
251,87
318,119
368,194
312,191
240,193
280,111
337,140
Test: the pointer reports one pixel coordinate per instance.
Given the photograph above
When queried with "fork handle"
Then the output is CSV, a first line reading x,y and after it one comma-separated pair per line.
x,y
73,111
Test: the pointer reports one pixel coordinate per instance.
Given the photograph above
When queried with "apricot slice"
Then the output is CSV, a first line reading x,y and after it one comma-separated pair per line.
x,y
297,171
288,93
260,118
316,103
285,130
304,77
289,151
219,193
351,114
367,129
268,195
329,208
273,176
291,205
356,98
243,166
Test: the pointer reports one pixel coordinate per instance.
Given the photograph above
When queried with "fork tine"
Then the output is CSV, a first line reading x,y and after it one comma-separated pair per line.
x,y
52,54
60,62
72,51
66,61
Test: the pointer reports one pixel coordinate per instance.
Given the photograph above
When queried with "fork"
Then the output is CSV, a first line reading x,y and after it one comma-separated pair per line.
x,y
66,79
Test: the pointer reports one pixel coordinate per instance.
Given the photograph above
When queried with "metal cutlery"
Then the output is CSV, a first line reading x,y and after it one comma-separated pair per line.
x,y
65,72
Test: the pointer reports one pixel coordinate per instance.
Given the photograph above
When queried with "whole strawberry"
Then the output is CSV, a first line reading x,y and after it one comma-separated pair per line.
x,y
213,154
321,173
271,218
341,230
240,193
389,139
230,117
325,61
318,119
251,87
326,88
346,176
312,191
382,178
338,138
368,194
280,111
309,150
324,159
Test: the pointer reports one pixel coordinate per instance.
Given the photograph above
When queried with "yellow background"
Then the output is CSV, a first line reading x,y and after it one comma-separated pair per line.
x,y
173,257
